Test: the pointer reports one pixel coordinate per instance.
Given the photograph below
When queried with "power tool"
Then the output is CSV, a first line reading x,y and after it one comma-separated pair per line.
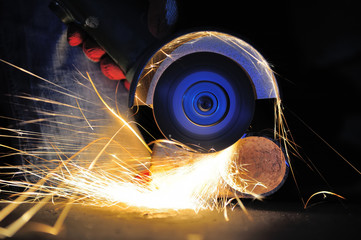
x,y
198,88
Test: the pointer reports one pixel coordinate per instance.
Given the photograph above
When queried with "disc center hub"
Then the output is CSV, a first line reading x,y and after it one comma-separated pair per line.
x,y
205,103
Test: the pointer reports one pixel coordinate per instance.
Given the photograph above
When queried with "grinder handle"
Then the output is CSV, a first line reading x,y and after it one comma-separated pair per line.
x,y
119,27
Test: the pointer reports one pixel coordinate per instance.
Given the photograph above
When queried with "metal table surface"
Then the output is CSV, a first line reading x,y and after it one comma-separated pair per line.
x,y
270,220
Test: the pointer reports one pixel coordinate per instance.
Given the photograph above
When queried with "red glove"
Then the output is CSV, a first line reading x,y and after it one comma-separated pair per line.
x,y
162,16
143,177
77,37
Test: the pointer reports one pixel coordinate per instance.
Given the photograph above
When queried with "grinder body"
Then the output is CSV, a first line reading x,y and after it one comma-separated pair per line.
x,y
199,88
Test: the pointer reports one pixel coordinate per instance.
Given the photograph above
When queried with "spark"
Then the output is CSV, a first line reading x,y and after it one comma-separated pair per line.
x,y
104,172
118,116
171,189
324,195
81,111
101,178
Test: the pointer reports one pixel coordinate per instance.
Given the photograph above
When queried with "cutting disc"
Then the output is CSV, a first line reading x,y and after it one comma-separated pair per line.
x,y
204,100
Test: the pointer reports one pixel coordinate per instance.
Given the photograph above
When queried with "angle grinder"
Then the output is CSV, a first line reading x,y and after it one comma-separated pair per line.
x,y
198,88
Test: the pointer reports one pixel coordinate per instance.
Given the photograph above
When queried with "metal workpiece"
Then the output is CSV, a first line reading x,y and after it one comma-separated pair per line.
x,y
256,166
259,167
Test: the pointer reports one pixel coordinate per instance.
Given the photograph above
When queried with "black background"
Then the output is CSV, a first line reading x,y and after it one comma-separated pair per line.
x,y
315,51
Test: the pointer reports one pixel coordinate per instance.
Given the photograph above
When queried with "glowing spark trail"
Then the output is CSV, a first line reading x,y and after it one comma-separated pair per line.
x,y
118,116
104,172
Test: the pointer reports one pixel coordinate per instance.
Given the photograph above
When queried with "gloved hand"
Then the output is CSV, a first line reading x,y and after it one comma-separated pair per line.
x,y
162,16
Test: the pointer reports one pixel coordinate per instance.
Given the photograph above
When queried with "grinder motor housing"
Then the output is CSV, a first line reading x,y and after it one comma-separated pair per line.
x,y
198,88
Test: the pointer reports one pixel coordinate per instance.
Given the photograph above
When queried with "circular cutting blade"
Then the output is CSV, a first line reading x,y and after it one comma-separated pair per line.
x,y
204,100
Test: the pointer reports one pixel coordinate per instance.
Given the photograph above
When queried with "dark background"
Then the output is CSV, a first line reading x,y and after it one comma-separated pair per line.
x,y
315,51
